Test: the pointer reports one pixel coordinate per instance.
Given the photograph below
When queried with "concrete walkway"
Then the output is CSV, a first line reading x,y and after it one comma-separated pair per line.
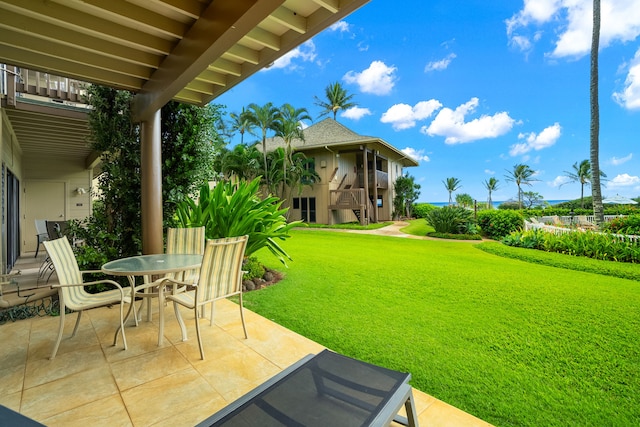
x,y
393,230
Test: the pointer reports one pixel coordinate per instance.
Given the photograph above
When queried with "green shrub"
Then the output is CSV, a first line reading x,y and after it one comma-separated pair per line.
x,y
531,239
496,224
607,268
253,268
235,210
588,244
420,210
450,219
629,225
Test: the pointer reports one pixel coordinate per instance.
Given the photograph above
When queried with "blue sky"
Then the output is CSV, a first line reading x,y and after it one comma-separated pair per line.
x,y
472,88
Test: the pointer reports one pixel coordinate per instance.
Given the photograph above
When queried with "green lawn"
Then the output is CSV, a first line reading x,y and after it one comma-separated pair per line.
x,y
511,342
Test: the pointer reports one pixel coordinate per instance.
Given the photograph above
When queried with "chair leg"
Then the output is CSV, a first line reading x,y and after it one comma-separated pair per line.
x,y
195,312
242,317
75,328
183,328
213,310
57,344
132,284
124,338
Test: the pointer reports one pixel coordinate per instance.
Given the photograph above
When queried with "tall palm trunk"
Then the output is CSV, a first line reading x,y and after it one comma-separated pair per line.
x,y
596,192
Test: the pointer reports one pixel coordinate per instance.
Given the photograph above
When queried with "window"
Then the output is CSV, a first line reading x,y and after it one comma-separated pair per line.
x,y
310,168
296,203
308,207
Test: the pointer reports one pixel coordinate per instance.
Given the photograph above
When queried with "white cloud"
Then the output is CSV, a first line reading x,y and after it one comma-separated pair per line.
x,y
451,124
619,161
404,116
521,43
629,97
559,181
489,172
378,79
533,141
441,64
572,22
355,113
623,180
306,52
341,26
416,154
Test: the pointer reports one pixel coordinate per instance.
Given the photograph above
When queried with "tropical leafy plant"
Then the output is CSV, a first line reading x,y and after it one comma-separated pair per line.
x,y
230,210
624,225
450,219
588,244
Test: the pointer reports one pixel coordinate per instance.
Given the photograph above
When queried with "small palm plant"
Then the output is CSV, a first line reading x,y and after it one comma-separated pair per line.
x,y
235,209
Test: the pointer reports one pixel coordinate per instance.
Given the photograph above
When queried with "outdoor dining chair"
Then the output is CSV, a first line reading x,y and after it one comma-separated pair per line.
x,y
179,241
71,292
186,241
220,277
41,233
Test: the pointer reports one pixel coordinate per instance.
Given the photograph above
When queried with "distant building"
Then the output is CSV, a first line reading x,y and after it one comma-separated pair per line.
x,y
357,175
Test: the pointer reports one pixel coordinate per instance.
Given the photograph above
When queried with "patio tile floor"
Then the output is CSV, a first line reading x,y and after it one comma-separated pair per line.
x,y
92,382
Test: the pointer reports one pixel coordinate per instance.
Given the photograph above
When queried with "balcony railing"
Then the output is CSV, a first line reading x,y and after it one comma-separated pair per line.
x,y
15,81
381,177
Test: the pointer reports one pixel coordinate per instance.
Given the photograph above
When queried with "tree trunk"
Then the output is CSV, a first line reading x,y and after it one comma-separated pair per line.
x,y
596,191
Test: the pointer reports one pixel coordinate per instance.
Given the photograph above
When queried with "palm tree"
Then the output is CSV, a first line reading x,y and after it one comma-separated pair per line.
x,y
464,200
491,185
581,173
596,191
451,184
337,98
289,127
243,162
241,123
263,118
521,175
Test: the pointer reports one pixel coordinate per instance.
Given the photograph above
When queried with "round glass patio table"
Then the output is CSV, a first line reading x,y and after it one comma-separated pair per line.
x,y
148,266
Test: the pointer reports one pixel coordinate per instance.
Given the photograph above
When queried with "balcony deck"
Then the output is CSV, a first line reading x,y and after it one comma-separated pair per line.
x,y
93,383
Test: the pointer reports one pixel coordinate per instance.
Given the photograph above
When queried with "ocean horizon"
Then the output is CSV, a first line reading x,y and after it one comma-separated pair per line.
x,y
495,203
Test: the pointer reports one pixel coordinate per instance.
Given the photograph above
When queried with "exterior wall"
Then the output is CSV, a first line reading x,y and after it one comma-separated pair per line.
x,y
67,174
63,174
10,158
338,170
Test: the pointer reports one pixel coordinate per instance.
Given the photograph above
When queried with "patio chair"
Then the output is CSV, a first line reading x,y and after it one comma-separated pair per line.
x,y
186,241
55,230
71,292
41,233
179,241
220,277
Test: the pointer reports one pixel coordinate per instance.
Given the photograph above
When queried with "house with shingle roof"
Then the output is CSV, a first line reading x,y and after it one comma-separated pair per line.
x,y
357,175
